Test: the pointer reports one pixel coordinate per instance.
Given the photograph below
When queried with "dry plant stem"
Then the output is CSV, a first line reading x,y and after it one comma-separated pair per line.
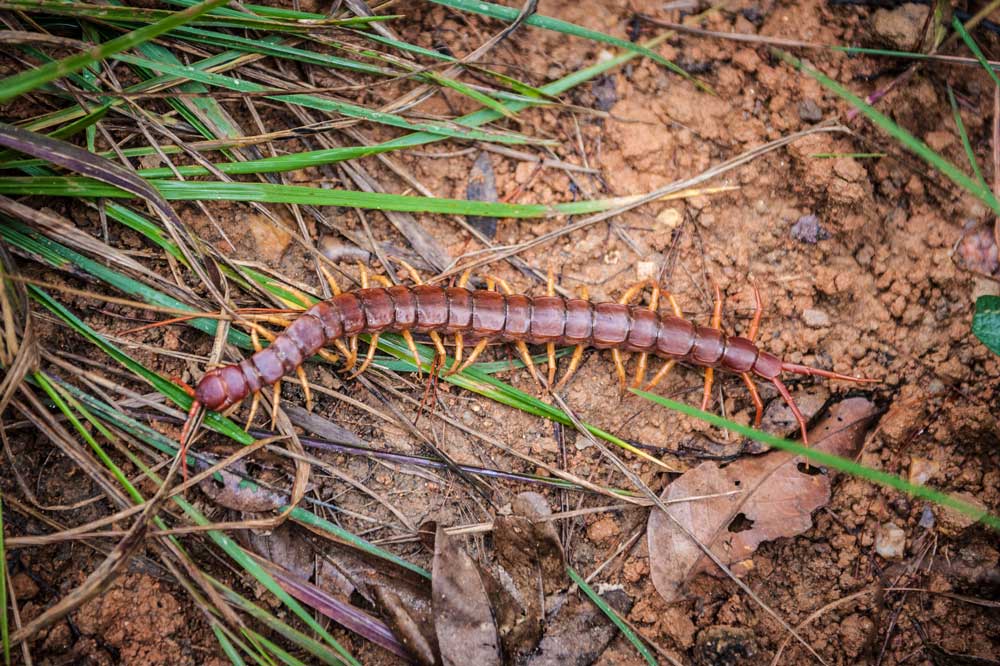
x,y
655,499
670,188
815,615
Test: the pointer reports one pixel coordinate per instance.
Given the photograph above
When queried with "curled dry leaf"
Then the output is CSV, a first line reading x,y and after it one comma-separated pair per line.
x,y
779,494
463,618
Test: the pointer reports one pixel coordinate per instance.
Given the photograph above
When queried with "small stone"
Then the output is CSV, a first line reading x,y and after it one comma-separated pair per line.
x,y
809,111
271,241
523,172
927,518
645,270
890,541
603,530
922,470
900,27
939,140
815,318
669,218
807,229
24,587
952,523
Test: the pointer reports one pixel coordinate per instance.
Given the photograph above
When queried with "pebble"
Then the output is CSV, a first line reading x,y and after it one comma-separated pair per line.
x,y
669,218
809,111
815,318
271,241
890,541
900,27
922,470
807,229
927,518
645,270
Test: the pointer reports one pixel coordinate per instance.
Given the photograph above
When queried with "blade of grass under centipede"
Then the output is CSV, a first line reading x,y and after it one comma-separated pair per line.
x,y
887,125
4,627
227,646
966,144
612,615
827,460
26,81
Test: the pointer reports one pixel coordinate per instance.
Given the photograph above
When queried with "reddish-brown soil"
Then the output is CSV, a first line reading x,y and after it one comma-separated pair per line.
x,y
879,292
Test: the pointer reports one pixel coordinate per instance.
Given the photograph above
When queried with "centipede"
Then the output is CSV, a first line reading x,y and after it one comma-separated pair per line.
x,y
478,317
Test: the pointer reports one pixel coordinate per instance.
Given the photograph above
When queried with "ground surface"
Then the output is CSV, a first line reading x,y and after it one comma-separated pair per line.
x,y
877,290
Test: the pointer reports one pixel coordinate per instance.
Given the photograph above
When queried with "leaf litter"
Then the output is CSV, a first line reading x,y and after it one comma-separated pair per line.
x,y
780,492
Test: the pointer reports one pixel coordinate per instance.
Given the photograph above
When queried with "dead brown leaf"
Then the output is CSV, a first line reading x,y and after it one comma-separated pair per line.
x,y
463,619
779,495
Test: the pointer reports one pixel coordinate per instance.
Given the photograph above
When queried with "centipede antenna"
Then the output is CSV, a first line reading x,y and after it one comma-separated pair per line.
x,y
187,432
790,401
797,369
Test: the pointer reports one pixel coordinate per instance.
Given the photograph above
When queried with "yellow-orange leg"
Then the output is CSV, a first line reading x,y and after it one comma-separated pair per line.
x,y
716,323
752,337
255,401
669,365
413,350
482,344
463,281
520,345
574,361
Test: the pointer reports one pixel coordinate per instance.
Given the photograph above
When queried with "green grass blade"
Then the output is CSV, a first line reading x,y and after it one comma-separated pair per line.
x,y
28,80
974,47
887,125
227,646
828,460
331,105
612,615
960,126
174,190
540,21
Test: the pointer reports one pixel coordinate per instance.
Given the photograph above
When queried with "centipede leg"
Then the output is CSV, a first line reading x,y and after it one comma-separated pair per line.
x,y
755,397
369,357
408,338
574,361
442,353
255,402
474,354
521,347
716,323
669,365
790,401
758,311
331,281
